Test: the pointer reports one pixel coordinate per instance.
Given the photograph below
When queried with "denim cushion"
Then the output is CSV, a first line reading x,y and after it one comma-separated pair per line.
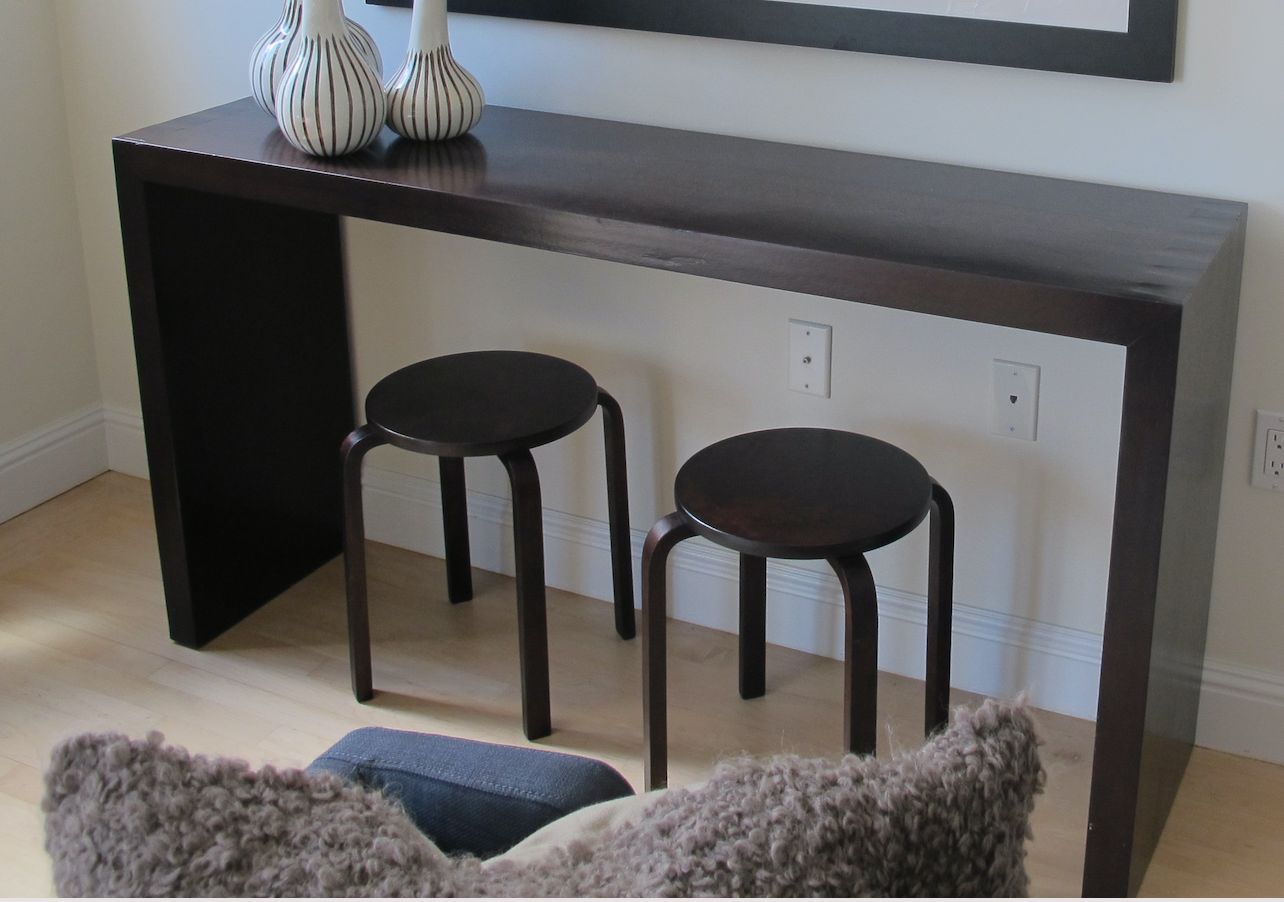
x,y
467,796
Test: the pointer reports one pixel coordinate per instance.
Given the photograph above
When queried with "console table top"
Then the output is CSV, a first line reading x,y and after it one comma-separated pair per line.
x,y
665,198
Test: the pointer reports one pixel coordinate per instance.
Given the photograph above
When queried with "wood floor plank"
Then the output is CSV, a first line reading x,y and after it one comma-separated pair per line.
x,y
1224,835
24,866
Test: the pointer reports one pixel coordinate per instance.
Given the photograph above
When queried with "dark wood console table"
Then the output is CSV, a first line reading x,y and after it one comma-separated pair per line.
x,y
236,281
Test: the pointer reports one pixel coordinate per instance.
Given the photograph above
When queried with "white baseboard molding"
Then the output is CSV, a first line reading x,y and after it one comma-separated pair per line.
x,y
47,462
1241,710
994,654
126,447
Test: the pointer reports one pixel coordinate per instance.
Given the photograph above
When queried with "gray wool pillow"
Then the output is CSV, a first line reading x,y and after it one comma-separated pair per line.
x,y
138,818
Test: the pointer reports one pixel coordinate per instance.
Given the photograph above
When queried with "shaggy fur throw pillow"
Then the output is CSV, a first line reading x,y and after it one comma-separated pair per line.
x,y
138,818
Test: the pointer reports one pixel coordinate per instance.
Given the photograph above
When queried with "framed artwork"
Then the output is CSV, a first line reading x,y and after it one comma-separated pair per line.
x,y
1119,38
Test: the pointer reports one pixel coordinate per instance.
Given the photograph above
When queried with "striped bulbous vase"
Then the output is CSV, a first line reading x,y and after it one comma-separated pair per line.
x,y
432,97
273,53
329,101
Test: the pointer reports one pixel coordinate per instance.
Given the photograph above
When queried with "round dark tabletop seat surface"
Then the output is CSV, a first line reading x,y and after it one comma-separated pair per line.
x,y
803,493
481,403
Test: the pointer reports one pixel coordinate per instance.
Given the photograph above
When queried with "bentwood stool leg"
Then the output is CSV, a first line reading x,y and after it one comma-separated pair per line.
x,y
354,450
532,618
454,516
940,609
617,503
655,715
753,626
860,695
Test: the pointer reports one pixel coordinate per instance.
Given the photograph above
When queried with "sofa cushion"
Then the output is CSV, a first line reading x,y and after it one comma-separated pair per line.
x,y
127,817
469,796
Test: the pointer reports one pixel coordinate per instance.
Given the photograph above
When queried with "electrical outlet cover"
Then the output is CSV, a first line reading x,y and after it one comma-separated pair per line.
x,y
1014,408
1268,451
809,347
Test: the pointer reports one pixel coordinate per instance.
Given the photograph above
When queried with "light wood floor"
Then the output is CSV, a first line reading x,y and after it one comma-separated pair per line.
x,y
84,647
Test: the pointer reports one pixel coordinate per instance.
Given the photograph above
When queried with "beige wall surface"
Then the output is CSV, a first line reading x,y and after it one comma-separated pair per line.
x,y
693,360
47,367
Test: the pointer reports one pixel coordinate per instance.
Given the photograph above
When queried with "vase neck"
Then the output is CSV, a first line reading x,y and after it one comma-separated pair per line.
x,y
428,25
289,17
323,17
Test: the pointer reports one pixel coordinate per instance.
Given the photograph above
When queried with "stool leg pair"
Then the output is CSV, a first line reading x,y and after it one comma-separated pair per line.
x,y
532,624
528,535
860,707
861,648
454,509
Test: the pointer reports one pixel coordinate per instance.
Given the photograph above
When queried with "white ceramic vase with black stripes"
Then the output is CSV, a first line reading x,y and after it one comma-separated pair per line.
x,y
431,97
273,53
330,101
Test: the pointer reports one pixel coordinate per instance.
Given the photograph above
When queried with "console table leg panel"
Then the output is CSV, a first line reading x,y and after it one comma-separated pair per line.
x,y
1149,377
1176,403
241,336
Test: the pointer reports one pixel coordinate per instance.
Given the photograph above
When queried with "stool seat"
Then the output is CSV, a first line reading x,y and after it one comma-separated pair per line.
x,y
803,494
481,403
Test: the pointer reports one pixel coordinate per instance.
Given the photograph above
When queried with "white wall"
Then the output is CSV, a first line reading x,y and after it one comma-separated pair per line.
x,y
42,277
694,360
48,403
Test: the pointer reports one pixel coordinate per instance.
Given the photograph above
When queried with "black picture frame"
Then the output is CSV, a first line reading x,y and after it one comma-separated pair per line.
x,y
1147,52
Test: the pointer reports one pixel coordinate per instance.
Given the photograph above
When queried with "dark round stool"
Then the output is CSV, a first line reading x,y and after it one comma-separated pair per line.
x,y
802,494
487,403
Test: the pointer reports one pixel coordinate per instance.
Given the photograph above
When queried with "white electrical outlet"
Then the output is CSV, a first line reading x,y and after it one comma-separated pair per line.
x,y
809,346
1014,405
1268,451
